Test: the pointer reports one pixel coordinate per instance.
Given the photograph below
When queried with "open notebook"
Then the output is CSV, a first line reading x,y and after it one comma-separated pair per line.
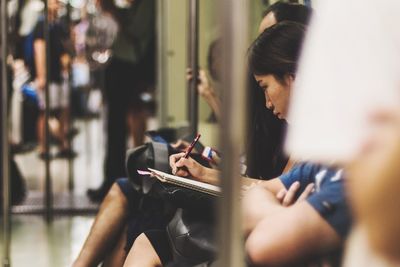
x,y
183,182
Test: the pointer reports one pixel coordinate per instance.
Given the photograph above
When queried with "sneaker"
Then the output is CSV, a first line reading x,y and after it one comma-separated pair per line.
x,y
44,156
66,154
72,132
97,195
22,148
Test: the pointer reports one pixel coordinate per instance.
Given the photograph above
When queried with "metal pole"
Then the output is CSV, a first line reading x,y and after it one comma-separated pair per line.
x,y
48,198
4,139
234,31
71,184
162,88
193,64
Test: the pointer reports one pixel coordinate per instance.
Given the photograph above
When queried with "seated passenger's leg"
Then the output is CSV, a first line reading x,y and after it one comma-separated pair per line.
x,y
118,255
142,254
106,229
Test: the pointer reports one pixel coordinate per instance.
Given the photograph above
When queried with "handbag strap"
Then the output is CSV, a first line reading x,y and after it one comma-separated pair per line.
x,y
161,162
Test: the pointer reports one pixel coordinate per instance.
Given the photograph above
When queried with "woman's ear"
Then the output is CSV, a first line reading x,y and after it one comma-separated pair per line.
x,y
289,79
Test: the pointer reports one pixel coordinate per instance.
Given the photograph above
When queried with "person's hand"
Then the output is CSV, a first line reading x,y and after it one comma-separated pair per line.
x,y
287,197
186,167
257,203
65,62
40,83
182,145
204,88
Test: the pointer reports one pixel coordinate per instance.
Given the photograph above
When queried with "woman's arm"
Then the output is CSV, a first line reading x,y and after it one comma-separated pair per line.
x,y
289,235
189,167
39,47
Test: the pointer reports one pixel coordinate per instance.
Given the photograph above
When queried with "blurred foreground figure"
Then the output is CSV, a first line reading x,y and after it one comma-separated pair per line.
x,y
375,192
356,58
353,119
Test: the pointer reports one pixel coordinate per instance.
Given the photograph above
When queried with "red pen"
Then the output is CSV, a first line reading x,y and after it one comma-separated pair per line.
x,y
190,148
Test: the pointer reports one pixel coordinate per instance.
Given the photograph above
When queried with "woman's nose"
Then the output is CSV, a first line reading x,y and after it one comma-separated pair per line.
x,y
268,104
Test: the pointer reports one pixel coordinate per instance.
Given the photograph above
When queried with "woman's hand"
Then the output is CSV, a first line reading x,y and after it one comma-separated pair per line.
x,y
40,83
206,91
182,145
288,197
257,203
187,167
204,88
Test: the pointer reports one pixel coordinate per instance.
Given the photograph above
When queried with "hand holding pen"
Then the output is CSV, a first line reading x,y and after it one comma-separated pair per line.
x,y
182,165
191,146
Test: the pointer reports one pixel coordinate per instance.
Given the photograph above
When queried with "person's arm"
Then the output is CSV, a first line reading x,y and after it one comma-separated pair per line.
x,y
39,47
207,92
268,202
289,235
183,167
189,167
214,103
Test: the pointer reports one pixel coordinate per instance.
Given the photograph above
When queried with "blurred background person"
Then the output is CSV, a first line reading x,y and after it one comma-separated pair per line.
x,y
58,94
130,72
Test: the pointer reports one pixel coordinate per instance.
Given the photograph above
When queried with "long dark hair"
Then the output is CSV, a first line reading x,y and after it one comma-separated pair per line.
x,y
290,12
277,50
273,54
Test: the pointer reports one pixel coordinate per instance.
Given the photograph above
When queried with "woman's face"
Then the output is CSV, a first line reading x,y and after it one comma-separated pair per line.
x,y
276,93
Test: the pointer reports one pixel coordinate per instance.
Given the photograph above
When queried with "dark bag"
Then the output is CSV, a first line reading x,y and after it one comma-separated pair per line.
x,y
192,237
17,185
191,231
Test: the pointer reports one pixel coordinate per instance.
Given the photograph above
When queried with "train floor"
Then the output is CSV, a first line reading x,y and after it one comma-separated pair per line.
x,y
37,242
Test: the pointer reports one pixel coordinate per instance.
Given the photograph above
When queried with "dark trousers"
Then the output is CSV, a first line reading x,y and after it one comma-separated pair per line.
x,y
123,86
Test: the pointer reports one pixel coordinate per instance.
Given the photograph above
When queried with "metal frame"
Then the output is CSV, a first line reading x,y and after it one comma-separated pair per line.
x,y
162,82
48,197
193,63
4,139
235,38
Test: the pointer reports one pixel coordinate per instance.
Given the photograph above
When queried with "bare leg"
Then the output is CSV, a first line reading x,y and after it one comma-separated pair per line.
x,y
117,257
41,132
64,127
137,121
142,254
106,229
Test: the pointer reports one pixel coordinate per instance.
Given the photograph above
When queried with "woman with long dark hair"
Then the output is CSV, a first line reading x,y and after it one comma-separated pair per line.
x,y
299,217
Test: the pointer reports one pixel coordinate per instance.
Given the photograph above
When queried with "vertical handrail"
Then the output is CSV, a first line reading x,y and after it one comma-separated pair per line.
x,y
162,87
234,33
71,184
193,62
48,198
4,135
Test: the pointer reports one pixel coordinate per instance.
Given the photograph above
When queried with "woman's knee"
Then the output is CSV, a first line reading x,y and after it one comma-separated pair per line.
x,y
142,254
115,194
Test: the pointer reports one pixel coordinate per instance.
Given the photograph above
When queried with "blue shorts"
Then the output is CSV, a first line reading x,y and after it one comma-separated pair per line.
x,y
145,212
